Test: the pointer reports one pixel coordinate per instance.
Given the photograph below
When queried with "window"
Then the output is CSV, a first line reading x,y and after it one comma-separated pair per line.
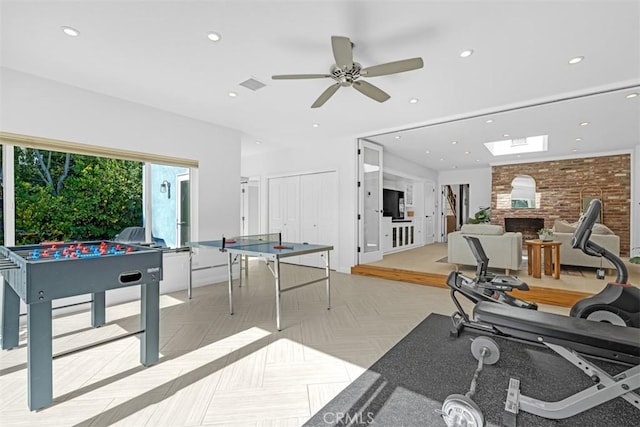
x,y
81,193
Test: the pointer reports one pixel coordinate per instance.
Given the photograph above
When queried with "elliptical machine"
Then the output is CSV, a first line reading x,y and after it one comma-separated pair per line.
x,y
484,287
619,302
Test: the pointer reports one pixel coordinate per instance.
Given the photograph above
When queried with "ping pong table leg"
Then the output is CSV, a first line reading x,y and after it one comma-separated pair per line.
x,y
276,265
230,272
326,272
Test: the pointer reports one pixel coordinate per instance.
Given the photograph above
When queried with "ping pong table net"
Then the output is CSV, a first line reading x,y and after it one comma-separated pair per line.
x,y
256,239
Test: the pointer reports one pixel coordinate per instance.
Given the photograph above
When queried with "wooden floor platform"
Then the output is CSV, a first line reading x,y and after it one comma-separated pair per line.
x,y
552,296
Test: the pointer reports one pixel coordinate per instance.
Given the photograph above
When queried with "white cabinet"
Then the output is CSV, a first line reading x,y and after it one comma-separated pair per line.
x,y
401,235
386,234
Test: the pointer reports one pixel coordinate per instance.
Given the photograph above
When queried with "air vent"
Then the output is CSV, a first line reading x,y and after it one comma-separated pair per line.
x,y
252,84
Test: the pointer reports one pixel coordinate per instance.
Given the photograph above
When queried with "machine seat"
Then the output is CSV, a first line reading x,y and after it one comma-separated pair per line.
x,y
598,338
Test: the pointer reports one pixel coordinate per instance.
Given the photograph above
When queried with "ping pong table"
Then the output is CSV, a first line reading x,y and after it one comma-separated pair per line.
x,y
270,248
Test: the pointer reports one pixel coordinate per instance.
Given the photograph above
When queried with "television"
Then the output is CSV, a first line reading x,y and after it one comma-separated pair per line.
x,y
393,203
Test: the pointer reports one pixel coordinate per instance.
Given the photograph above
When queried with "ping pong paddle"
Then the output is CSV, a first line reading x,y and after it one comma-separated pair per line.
x,y
230,240
282,247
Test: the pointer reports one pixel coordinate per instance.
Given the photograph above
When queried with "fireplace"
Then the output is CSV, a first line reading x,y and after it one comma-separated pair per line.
x,y
527,226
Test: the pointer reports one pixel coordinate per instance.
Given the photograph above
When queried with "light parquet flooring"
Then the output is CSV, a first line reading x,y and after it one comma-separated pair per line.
x,y
219,369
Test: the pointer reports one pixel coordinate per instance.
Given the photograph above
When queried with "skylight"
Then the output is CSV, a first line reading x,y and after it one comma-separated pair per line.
x,y
531,144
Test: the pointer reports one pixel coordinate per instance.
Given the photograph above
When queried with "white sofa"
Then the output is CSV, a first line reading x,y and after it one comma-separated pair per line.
x,y
503,249
600,234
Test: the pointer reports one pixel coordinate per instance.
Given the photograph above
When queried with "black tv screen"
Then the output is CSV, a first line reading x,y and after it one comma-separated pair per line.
x,y
391,203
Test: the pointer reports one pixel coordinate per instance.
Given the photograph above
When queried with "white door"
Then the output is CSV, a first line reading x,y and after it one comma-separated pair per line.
x,y
429,212
249,208
284,209
369,202
319,214
244,209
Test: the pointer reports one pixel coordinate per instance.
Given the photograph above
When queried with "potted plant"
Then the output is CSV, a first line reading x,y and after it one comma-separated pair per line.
x,y
545,234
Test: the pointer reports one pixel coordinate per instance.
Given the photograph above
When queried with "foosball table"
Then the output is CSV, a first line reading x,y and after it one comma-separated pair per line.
x,y
39,274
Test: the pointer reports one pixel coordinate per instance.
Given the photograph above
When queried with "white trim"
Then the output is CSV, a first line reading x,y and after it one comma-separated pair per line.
x,y
567,157
8,196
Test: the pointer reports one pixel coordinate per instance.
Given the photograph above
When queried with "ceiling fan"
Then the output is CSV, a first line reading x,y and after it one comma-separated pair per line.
x,y
346,72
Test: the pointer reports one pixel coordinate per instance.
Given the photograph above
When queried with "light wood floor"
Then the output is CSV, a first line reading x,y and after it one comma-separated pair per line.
x,y
425,259
217,369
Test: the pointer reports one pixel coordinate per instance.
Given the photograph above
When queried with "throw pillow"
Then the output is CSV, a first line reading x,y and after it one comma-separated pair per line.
x,y
562,226
490,229
601,229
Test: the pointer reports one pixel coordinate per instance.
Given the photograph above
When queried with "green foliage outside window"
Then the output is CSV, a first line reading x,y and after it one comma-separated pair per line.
x,y
64,197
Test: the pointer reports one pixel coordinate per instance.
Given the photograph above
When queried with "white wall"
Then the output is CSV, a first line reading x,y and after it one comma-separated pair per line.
x,y
39,107
635,203
336,155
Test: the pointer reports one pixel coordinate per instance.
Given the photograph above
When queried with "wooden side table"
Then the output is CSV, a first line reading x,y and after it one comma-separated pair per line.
x,y
551,258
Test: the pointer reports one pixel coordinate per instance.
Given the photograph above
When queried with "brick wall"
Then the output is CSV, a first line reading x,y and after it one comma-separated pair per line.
x,y
559,183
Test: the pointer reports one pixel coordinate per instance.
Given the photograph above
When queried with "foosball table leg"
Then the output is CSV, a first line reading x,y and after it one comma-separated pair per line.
x,y
98,316
10,317
39,355
149,321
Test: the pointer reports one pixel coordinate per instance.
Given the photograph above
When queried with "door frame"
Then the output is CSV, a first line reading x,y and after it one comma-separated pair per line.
x,y
362,256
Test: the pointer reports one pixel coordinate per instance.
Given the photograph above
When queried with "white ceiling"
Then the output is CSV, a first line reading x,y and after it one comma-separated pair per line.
x,y
157,53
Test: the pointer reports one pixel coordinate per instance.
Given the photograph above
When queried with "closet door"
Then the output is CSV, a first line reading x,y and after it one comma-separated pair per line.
x,y
319,214
284,209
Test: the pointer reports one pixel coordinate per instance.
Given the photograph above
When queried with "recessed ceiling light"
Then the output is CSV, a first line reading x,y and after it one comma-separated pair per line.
x,y
477,160
413,101
441,159
455,167
574,150
518,156
584,124
397,137
467,152
70,31
454,142
506,135
258,142
315,125
631,95
578,139
489,121
214,37
233,94
428,152
466,53
576,59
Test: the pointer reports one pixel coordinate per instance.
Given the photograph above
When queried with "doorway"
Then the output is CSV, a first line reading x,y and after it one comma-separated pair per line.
x,y
455,208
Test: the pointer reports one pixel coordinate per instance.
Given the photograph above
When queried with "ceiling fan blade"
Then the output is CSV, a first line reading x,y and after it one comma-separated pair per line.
x,y
371,91
342,52
392,67
299,76
324,97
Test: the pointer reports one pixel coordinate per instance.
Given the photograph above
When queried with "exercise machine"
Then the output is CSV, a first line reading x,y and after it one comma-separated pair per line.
x,y
571,337
484,287
619,301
